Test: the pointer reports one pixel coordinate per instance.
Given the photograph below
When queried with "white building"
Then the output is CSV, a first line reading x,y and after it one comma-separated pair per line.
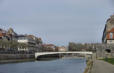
x,y
62,49
28,41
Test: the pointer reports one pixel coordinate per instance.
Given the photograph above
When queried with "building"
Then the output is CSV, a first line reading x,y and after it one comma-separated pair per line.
x,y
11,34
38,42
108,33
108,39
8,34
22,42
48,47
28,41
32,43
3,35
62,49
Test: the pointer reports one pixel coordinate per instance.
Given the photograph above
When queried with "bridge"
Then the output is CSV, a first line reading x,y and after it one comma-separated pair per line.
x,y
37,54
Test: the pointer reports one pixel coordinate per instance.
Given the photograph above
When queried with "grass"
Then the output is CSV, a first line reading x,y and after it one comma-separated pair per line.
x,y
109,60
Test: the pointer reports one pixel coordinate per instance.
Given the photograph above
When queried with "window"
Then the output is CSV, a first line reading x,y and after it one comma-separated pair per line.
x,y
111,35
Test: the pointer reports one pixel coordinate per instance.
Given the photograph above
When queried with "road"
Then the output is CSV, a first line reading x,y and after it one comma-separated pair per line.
x,y
100,66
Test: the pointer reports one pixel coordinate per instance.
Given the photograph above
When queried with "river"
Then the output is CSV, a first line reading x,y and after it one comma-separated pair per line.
x,y
68,65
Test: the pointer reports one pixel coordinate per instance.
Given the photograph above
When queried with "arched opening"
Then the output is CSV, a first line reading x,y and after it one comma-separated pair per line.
x,y
48,57
108,50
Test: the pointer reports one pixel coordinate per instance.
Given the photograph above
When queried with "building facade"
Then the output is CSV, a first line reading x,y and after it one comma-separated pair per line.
x,y
62,49
108,33
29,41
2,33
48,47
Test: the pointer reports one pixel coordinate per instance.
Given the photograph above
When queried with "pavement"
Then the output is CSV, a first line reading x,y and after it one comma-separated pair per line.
x,y
100,66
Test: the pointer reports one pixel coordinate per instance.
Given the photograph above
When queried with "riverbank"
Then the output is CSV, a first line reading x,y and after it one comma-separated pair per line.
x,y
89,66
15,61
14,58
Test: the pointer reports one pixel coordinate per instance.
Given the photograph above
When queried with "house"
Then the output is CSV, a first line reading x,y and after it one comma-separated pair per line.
x,y
32,43
12,34
48,47
3,35
28,41
62,49
108,33
109,37
37,40
24,42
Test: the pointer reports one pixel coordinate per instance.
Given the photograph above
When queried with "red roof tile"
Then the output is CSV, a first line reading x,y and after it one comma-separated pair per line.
x,y
112,30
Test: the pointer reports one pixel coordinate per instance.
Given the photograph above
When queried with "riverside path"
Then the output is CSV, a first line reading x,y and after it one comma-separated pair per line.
x,y
100,66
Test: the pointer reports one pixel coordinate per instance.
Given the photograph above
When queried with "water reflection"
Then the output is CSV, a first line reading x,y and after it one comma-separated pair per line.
x,y
54,66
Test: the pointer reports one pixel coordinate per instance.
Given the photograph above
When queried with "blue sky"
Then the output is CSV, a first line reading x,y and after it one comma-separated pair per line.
x,y
57,21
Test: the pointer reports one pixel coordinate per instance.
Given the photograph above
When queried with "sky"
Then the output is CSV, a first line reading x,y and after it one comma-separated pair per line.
x,y
57,21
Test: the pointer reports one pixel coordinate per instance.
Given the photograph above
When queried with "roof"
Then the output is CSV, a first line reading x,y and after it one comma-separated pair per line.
x,y
48,45
112,30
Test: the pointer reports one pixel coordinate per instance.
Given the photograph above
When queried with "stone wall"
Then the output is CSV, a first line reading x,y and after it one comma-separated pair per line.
x,y
16,56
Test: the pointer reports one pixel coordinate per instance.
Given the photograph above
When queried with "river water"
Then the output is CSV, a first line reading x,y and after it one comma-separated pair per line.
x,y
54,66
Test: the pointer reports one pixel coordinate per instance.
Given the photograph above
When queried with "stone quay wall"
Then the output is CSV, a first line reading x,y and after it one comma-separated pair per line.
x,y
16,56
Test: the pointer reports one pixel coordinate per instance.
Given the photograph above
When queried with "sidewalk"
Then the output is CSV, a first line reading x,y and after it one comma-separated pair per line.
x,y
100,66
